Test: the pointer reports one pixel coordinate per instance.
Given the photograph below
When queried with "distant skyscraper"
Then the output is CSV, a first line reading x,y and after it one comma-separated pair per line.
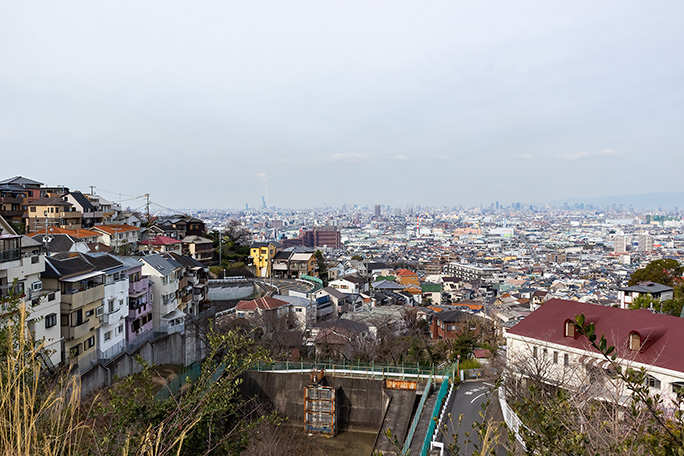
x,y
620,244
644,243
378,210
263,202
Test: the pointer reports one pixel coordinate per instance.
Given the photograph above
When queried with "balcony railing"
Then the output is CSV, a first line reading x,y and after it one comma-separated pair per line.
x,y
79,298
10,255
76,332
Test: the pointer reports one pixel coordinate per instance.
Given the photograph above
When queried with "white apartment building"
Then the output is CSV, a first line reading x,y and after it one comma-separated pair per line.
x,y
164,280
111,335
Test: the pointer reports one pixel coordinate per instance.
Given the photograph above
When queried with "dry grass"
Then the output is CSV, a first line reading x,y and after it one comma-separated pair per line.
x,y
34,419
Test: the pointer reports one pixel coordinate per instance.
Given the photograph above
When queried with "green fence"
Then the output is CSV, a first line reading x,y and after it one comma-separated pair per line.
x,y
365,369
435,413
317,283
416,418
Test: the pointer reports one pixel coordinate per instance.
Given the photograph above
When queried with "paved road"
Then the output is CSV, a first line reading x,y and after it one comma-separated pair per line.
x,y
468,401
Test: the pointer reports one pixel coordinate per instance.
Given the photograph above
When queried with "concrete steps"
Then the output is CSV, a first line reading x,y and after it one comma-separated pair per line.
x,y
397,418
425,418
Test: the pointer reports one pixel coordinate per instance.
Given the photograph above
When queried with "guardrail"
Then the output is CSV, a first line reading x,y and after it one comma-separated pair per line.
x,y
435,412
416,418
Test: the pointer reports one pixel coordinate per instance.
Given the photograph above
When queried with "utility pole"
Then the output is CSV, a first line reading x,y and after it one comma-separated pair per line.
x,y
147,207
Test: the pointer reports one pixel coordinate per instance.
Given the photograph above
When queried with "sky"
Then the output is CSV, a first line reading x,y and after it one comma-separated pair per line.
x,y
214,104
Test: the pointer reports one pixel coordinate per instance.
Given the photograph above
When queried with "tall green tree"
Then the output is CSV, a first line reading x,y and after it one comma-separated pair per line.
x,y
666,271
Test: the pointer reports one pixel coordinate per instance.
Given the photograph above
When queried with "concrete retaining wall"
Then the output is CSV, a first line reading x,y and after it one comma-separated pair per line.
x,y
360,401
173,348
228,292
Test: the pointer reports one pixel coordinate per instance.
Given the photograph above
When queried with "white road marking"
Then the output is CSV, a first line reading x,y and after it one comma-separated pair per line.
x,y
477,397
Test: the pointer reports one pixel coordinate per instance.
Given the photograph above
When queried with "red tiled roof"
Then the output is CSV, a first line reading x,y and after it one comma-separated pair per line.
x,y
405,273
112,229
662,335
265,303
79,233
160,240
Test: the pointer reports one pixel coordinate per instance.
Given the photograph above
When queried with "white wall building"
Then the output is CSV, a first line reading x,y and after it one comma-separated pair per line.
x,y
546,345
164,277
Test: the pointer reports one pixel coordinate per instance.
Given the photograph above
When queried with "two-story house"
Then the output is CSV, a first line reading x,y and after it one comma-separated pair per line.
x,y
655,290
547,345
161,244
123,239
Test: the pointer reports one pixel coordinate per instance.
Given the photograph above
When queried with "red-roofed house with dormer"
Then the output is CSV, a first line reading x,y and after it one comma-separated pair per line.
x,y
547,343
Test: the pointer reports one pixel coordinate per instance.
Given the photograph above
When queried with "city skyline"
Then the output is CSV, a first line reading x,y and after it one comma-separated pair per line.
x,y
307,105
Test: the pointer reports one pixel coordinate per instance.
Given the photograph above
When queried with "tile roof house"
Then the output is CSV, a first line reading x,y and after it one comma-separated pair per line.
x,y
161,244
641,339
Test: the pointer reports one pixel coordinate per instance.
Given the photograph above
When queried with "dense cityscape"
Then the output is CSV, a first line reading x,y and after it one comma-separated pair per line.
x,y
415,301
366,228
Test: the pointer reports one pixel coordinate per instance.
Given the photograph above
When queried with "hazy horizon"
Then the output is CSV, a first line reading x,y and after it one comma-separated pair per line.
x,y
377,102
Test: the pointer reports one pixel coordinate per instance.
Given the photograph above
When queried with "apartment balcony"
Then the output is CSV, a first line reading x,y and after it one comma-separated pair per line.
x,y
169,307
10,255
77,299
11,200
93,215
79,331
11,213
138,287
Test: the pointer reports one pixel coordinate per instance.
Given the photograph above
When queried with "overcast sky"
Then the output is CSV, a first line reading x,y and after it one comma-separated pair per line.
x,y
216,103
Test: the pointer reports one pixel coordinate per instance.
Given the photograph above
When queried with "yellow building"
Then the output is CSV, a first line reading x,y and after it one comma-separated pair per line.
x,y
262,254
47,212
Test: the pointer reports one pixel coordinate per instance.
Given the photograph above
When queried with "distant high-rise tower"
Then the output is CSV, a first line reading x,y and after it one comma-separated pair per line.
x,y
378,210
620,244
263,202
644,243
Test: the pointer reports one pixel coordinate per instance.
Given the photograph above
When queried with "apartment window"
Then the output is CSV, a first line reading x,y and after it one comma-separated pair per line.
x,y
75,351
89,342
534,352
652,382
566,359
545,352
120,329
555,357
33,208
108,335
35,259
90,312
50,320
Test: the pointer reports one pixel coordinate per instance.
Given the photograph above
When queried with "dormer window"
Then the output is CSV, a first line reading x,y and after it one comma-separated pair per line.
x,y
634,341
569,328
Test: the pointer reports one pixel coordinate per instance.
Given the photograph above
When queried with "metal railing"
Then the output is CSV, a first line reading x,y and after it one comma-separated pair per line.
x,y
435,413
416,418
366,370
